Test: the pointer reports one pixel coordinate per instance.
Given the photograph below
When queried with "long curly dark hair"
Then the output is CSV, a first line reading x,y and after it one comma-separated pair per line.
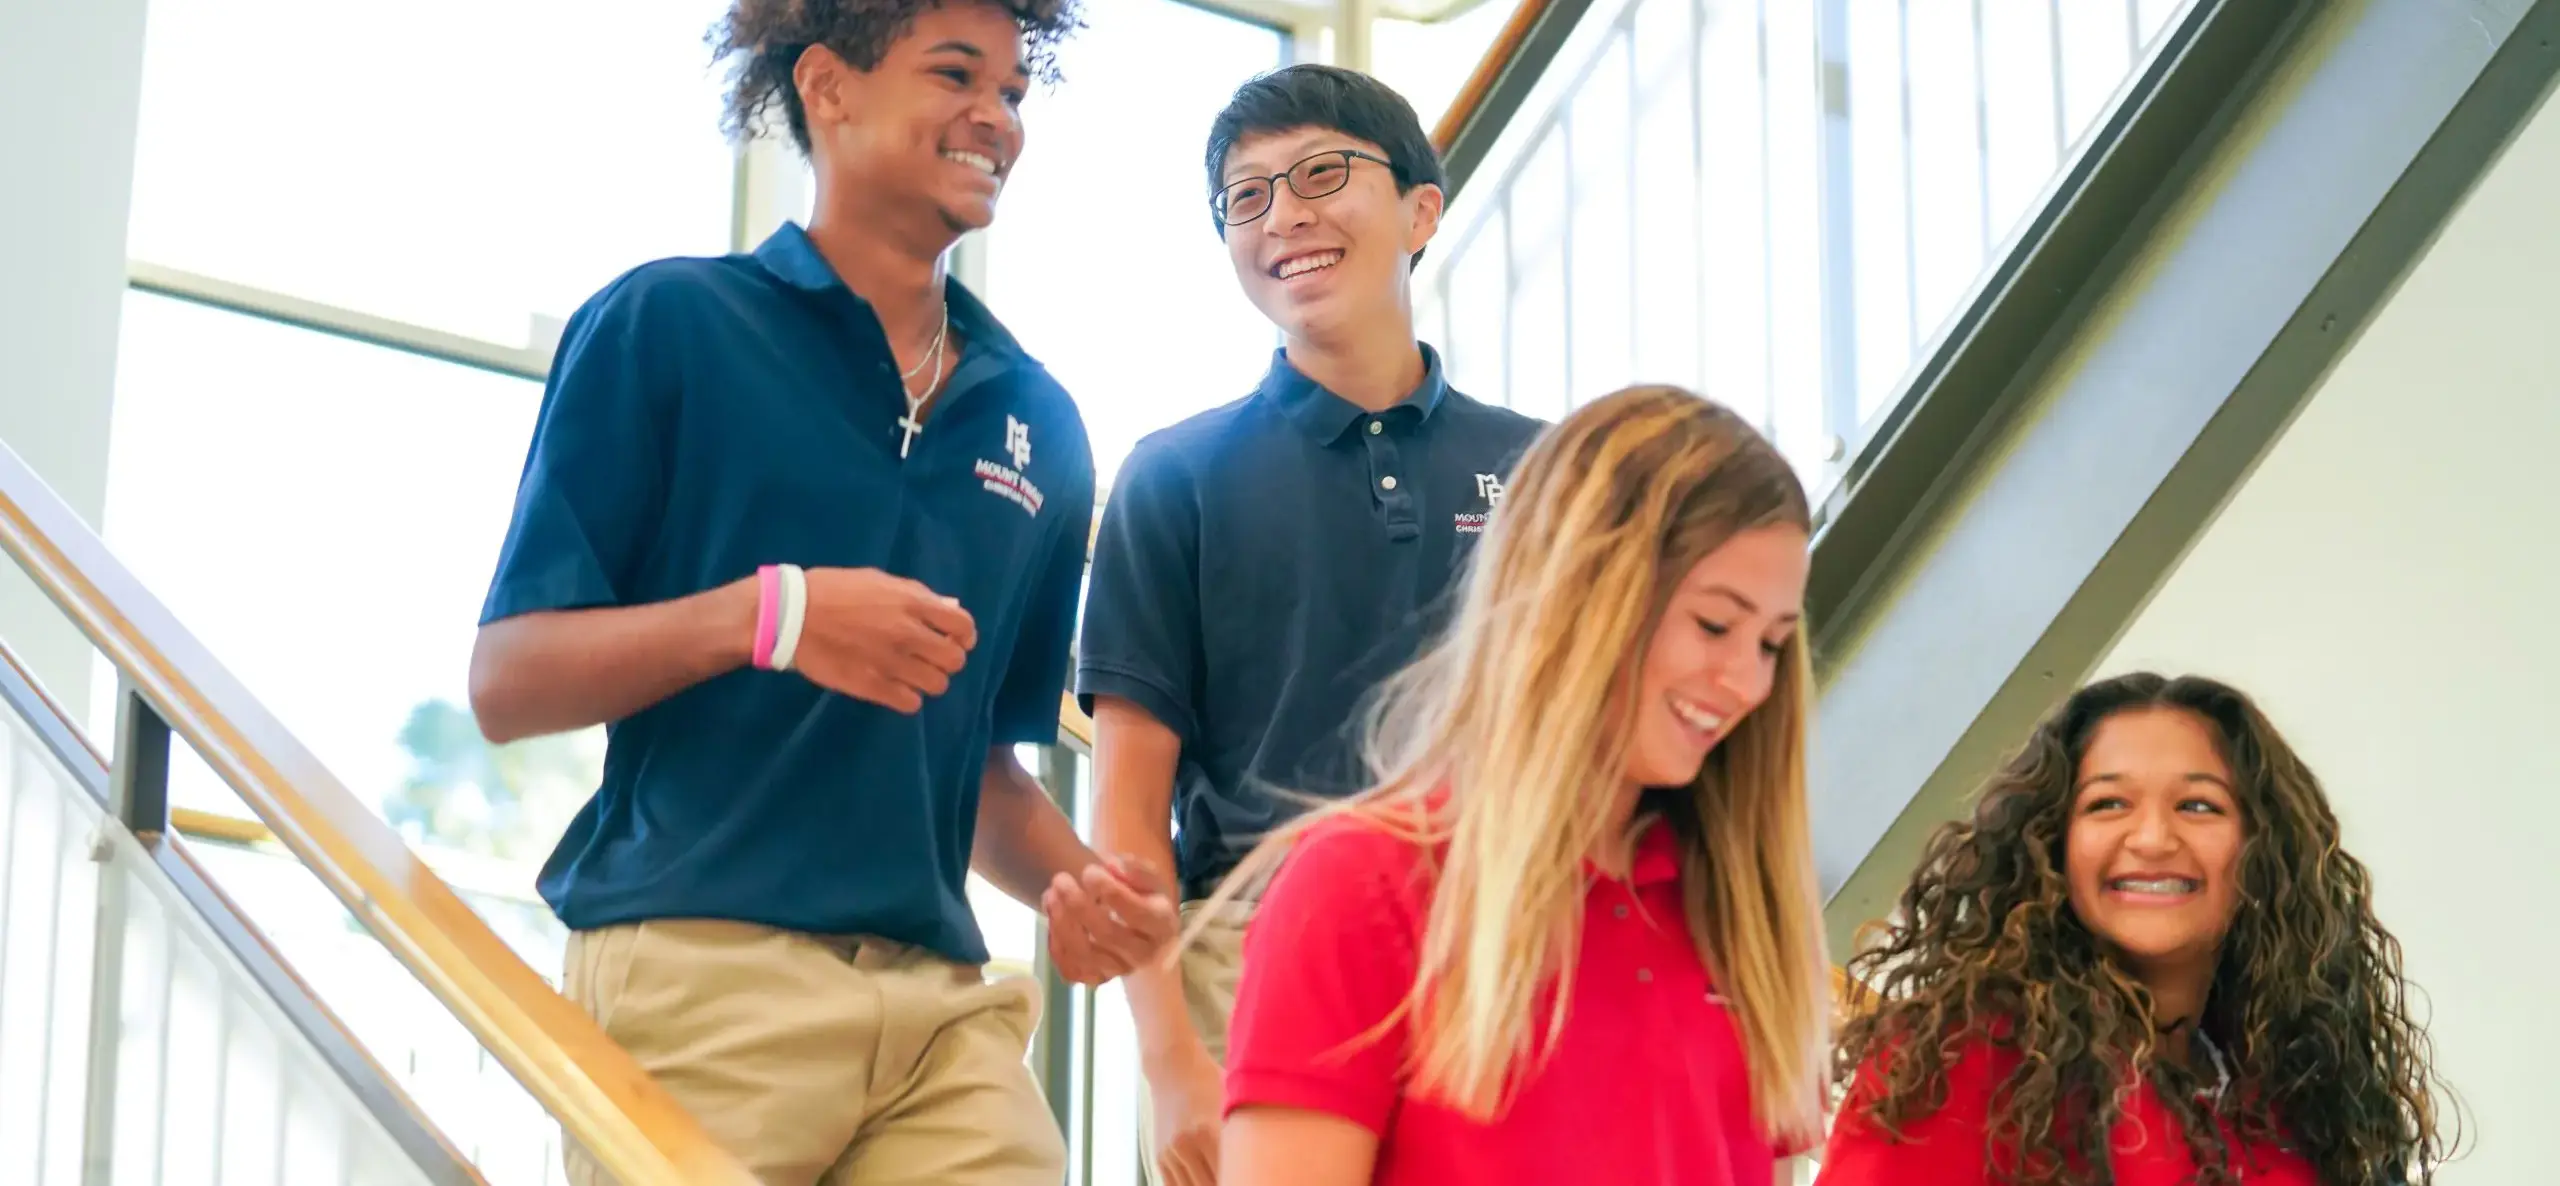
x,y
762,41
2308,1000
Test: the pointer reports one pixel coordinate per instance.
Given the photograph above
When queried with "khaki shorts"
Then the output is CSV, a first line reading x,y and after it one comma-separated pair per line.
x,y
821,1060
1211,969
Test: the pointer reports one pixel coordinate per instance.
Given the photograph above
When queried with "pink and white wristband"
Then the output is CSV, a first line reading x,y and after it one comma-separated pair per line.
x,y
782,604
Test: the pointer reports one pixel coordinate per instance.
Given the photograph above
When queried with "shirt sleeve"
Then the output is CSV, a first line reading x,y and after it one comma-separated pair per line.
x,y
1142,617
592,490
1329,956
1035,678
1943,1148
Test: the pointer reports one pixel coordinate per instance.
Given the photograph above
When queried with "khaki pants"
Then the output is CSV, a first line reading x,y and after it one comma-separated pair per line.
x,y
1211,969
842,1061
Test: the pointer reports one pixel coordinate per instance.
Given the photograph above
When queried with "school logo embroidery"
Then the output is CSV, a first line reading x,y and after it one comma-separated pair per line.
x,y
1017,441
1008,480
1488,488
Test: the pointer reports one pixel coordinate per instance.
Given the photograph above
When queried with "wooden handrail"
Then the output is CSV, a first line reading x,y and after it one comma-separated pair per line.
x,y
603,1098
1489,70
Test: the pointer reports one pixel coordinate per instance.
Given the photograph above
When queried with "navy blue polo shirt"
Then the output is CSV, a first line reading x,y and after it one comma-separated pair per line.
x,y
707,416
1264,566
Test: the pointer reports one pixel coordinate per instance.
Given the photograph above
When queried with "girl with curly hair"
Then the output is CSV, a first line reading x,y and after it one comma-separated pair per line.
x,y
1573,934
2144,960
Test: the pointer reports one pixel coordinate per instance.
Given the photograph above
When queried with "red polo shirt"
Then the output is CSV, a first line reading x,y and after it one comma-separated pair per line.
x,y
1645,1087
1946,1148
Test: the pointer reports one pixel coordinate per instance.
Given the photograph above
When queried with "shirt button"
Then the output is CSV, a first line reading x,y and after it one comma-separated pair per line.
x,y
1388,482
1644,975
1619,910
1376,427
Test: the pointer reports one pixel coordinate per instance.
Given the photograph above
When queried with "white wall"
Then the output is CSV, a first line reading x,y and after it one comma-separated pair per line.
x,y
2388,585
70,99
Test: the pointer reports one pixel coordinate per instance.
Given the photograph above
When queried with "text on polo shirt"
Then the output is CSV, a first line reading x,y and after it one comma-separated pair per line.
x,y
1009,482
1488,488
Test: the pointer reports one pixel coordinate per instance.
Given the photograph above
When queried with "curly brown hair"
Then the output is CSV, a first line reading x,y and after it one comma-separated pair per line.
x,y
2308,998
762,40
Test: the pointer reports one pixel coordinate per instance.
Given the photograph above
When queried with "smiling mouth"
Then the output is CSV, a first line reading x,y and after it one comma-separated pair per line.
x,y
979,161
1697,716
2162,887
1300,265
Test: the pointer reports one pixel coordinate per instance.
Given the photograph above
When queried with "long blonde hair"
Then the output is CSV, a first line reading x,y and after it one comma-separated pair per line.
x,y
1495,750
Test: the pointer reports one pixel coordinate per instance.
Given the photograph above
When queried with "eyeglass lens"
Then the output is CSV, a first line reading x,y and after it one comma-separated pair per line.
x,y
1314,177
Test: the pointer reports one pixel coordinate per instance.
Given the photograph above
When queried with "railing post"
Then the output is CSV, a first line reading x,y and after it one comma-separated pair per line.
x,y
1053,1046
1839,233
138,782
137,799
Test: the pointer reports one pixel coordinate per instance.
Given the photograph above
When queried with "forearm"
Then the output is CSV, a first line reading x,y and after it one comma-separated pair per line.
x,y
1023,840
1272,1146
556,671
1166,1036
1135,760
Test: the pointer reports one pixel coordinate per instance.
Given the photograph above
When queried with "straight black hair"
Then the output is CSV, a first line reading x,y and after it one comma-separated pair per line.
x,y
1315,96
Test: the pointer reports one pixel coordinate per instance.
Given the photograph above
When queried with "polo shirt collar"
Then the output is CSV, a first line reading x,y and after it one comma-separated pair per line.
x,y
790,257
1326,416
1657,857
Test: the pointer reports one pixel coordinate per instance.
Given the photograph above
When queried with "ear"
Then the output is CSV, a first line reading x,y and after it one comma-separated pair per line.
x,y
1426,202
820,76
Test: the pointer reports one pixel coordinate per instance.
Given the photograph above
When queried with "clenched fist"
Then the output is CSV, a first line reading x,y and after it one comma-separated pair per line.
x,y
881,638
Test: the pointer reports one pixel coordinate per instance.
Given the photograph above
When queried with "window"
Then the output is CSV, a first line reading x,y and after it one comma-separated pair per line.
x,y
478,166
324,515
1104,259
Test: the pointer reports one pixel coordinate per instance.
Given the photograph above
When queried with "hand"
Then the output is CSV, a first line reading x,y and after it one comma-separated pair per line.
x,y
1189,1099
881,638
1116,916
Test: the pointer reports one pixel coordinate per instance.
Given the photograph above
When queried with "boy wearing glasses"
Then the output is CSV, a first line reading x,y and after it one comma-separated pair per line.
x,y
1261,567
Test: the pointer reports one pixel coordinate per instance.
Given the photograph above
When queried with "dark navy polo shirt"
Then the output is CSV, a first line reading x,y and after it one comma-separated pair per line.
x,y
707,416
1263,567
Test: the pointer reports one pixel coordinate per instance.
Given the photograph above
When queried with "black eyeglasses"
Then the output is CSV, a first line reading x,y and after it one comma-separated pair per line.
x,y
1315,177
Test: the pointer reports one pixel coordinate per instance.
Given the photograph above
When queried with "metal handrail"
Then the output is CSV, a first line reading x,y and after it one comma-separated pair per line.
x,y
603,1098
359,1071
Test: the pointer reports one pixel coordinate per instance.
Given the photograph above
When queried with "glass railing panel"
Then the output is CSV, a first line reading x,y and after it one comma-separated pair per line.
x,y
1540,371
1774,203
489,1117
492,1121
132,1038
1600,267
1667,289
48,897
1475,309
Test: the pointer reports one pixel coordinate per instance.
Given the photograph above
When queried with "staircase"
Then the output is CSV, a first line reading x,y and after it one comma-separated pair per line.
x,y
2021,289
152,1030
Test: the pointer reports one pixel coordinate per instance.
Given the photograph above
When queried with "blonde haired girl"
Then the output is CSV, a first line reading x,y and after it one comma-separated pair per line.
x,y
1572,934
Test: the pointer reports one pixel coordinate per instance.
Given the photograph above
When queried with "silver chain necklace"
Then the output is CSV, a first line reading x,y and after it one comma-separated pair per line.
x,y
913,422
